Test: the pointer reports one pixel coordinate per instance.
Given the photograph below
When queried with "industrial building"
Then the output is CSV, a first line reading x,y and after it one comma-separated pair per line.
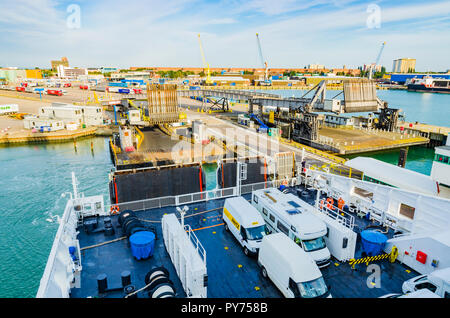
x,y
64,62
316,66
67,72
131,75
404,65
15,75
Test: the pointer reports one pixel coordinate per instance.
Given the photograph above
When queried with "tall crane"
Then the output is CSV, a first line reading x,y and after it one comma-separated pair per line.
x,y
371,69
264,63
205,64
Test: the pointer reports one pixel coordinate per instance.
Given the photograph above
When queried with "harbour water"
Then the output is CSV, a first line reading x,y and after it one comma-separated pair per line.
x,y
32,181
34,177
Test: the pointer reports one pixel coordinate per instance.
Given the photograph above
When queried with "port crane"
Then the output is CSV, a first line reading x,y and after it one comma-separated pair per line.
x,y
205,64
371,69
264,63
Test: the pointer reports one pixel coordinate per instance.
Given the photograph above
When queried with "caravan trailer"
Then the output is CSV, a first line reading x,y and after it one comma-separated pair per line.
x,y
283,214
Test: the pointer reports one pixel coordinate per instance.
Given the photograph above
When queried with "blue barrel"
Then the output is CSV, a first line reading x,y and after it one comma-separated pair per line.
x,y
373,242
142,244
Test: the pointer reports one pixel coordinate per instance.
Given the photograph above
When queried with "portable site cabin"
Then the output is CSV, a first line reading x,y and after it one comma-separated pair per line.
x,y
92,115
65,113
42,124
387,174
88,115
9,109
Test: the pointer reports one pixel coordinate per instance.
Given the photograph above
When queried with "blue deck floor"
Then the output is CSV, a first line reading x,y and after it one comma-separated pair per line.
x,y
231,274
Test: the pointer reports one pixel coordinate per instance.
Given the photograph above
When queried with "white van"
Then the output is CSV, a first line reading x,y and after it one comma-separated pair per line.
x,y
245,223
290,268
438,282
421,293
288,214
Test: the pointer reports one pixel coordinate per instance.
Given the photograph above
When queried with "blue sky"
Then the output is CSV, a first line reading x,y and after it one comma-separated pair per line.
x,y
164,32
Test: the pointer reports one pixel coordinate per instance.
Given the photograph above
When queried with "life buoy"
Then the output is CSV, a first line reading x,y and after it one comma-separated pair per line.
x,y
321,204
285,182
114,209
330,203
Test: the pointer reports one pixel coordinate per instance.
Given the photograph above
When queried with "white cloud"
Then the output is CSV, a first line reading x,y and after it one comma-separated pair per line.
x,y
142,33
221,21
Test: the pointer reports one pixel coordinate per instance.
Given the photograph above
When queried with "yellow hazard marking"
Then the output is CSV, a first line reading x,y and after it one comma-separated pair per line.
x,y
195,209
372,283
408,271
256,288
239,265
204,220
336,264
214,232
226,247
368,259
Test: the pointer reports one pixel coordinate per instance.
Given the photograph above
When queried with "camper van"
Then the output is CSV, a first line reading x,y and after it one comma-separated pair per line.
x,y
438,282
288,214
245,223
290,268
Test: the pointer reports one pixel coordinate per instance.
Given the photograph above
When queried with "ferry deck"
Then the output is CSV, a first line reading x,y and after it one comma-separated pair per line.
x,y
231,274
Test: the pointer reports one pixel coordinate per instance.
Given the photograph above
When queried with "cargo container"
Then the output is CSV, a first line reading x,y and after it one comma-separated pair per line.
x,y
54,92
9,109
113,89
118,84
67,84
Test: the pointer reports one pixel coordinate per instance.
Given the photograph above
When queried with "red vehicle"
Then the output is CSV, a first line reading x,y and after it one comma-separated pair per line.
x,y
20,89
54,92
24,84
137,90
84,87
67,84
